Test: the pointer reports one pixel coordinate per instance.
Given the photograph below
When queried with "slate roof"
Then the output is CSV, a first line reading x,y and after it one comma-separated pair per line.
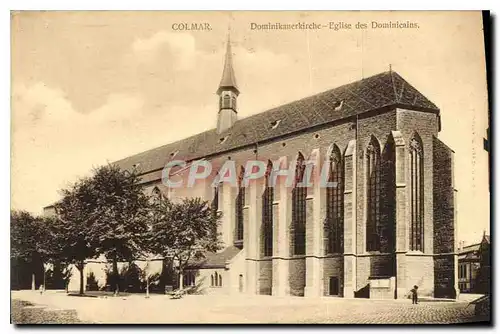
x,y
215,260
376,92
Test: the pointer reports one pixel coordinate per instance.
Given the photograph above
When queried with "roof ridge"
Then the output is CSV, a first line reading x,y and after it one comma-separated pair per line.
x,y
265,111
408,84
313,96
360,96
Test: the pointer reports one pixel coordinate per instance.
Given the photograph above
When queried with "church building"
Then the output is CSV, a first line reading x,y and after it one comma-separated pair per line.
x,y
387,225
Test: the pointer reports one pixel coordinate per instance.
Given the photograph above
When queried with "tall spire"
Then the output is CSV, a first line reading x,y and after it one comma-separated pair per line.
x,y
228,81
228,93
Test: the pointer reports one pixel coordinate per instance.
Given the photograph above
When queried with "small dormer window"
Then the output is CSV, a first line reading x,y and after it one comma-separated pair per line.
x,y
174,153
222,140
275,124
337,106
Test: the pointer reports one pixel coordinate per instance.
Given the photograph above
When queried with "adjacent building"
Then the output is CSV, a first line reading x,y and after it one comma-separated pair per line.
x,y
474,270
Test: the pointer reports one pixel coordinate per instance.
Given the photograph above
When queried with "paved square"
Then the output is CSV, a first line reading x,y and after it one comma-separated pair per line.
x,y
252,309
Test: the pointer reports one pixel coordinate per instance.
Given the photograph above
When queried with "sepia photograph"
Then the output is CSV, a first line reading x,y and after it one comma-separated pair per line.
x,y
250,167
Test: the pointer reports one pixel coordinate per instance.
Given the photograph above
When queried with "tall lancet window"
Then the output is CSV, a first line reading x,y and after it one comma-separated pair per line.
x,y
217,190
215,202
240,203
157,196
373,196
299,194
267,214
334,224
417,207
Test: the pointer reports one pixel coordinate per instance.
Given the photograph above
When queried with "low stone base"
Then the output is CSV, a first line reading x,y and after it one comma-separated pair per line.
x,y
382,287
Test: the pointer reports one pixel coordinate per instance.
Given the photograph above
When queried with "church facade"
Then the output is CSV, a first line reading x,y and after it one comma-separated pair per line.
x,y
387,225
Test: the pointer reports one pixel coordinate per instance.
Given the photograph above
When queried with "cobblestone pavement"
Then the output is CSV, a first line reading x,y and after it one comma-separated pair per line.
x,y
253,309
26,313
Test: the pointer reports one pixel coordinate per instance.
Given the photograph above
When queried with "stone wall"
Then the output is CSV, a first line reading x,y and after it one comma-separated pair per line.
x,y
333,267
445,249
265,277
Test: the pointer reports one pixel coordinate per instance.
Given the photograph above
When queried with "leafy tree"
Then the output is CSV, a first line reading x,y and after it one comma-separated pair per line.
x,y
23,235
76,215
121,224
33,239
184,231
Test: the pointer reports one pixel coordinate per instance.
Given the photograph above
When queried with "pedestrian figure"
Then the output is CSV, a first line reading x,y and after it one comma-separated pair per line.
x,y
414,295
40,288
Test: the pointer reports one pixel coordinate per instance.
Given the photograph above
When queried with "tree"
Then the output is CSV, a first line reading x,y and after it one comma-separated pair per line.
x,y
33,239
185,231
120,226
76,213
24,238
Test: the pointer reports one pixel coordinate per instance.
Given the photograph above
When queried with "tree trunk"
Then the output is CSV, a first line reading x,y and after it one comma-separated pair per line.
x,y
181,279
147,278
116,277
33,281
80,267
43,266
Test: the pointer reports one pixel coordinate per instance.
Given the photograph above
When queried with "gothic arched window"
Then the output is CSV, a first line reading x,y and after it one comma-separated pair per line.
x,y
417,207
267,214
215,203
373,195
156,195
216,279
334,224
212,280
240,203
299,194
215,199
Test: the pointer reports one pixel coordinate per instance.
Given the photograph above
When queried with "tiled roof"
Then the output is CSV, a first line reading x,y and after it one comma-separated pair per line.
x,y
215,260
381,90
470,248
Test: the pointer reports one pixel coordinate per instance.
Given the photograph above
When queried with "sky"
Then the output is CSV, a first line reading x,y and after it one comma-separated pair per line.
x,y
93,87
